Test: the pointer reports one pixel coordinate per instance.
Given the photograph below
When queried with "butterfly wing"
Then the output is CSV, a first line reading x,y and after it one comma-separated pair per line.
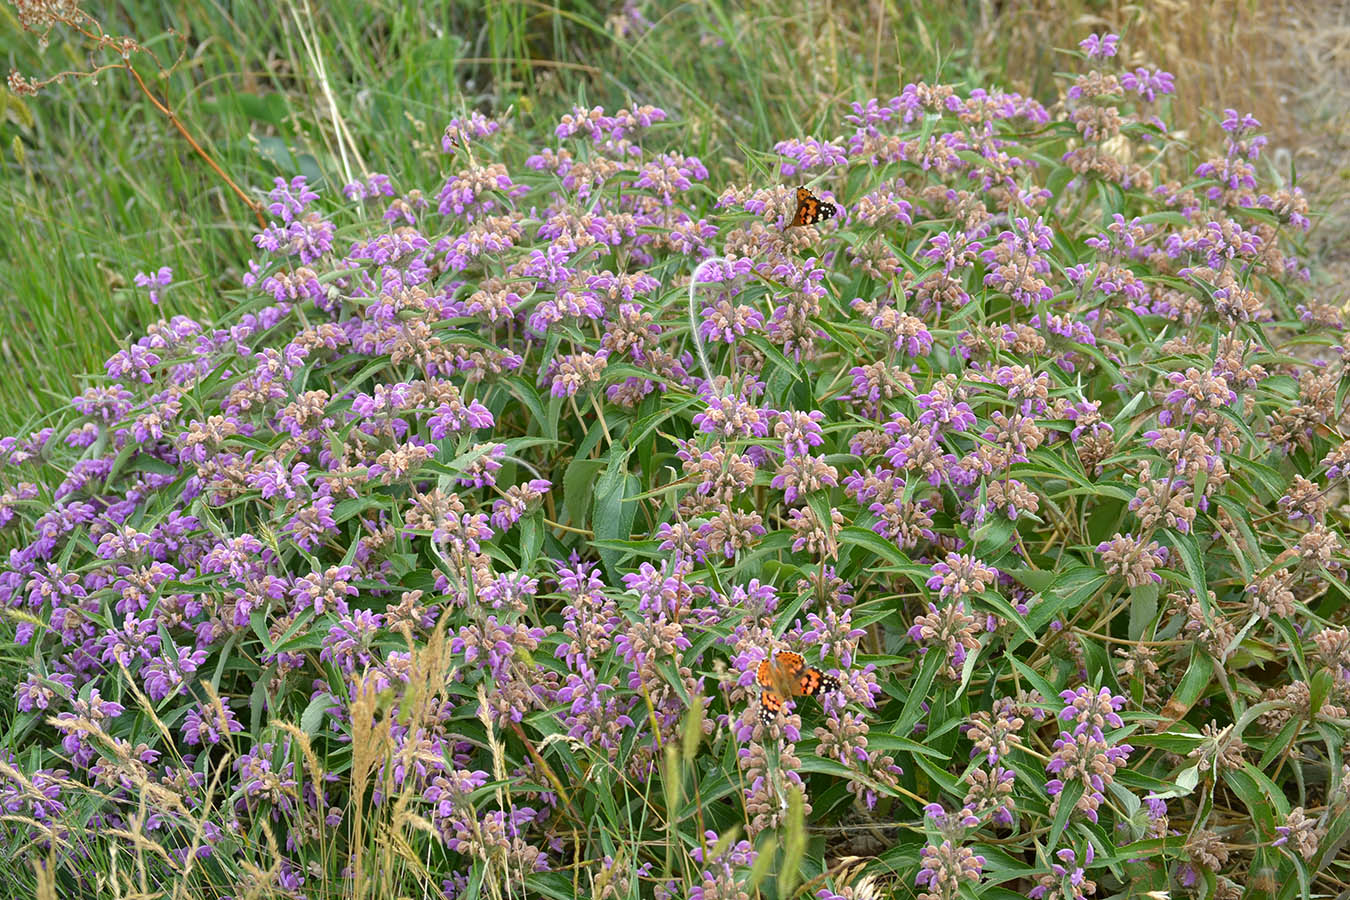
x,y
770,705
806,207
778,677
784,675
764,674
789,668
812,681
811,209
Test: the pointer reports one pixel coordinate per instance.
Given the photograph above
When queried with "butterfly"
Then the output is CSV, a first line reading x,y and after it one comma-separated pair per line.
x,y
786,674
811,209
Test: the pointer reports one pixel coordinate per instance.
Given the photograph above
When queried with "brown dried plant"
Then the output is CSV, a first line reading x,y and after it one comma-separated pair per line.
x,y
41,16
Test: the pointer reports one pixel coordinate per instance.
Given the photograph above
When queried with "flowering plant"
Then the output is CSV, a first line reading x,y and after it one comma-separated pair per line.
x,y
453,558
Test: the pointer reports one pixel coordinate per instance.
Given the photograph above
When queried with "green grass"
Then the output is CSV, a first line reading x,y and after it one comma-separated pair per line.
x,y
100,185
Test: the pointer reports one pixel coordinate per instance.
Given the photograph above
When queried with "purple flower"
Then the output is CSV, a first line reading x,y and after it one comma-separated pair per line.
x,y
37,692
960,575
943,411
508,510
1099,46
169,674
1236,124
475,126
1065,882
309,238
207,724
288,201
395,437
312,523
321,592
376,185
260,781
136,362
802,156
1148,83
347,643
1091,711
154,281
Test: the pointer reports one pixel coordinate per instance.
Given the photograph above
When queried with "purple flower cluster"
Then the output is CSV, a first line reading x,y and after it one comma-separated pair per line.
x,y
538,488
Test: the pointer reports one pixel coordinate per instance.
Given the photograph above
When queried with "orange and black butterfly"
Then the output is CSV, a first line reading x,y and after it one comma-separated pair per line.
x,y
784,675
811,209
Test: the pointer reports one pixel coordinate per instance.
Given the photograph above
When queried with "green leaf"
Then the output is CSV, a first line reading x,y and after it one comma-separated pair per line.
x,y
550,884
819,502
257,702
1198,677
882,741
639,547
1185,545
1143,609
300,622
257,620
1046,689
1319,689
476,876
1260,795
119,461
528,395
1178,742
918,691
1068,799
270,107
991,537
1143,849
1183,783
224,658
577,490
1070,590
1336,838
1269,478
354,506
1282,741
612,518
531,538
1008,612
311,720
1036,579
873,543
768,854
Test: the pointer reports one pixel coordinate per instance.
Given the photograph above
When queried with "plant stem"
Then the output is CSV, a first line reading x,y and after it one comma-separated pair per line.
x,y
178,124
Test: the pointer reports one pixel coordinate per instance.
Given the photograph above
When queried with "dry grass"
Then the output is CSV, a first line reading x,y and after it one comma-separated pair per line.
x,y
383,853
1286,62
1283,61
1311,43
